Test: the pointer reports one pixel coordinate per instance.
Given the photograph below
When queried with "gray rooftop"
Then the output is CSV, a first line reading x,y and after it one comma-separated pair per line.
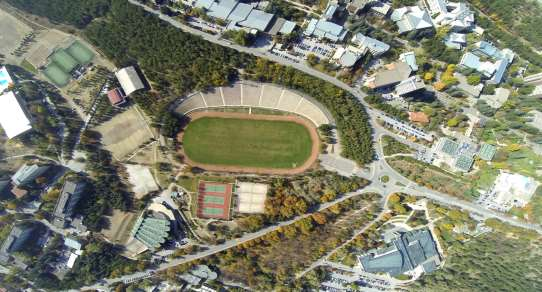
x,y
410,250
257,19
393,74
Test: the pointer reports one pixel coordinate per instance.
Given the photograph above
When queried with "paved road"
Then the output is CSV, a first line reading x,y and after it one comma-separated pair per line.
x,y
378,167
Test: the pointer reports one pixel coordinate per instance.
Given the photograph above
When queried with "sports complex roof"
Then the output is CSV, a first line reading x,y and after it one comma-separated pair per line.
x,y
13,117
129,80
151,231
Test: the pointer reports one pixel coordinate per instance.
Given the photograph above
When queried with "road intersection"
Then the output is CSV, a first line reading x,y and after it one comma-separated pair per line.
x,y
396,183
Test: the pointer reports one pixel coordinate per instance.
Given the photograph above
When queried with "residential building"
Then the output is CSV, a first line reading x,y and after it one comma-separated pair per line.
x,y
410,252
349,56
152,229
323,29
411,18
15,241
457,15
410,59
129,80
27,174
116,97
393,74
374,46
14,118
409,85
456,40
67,201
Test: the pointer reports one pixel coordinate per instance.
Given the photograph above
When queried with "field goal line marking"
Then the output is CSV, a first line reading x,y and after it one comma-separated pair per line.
x,y
280,98
222,96
298,104
203,97
261,96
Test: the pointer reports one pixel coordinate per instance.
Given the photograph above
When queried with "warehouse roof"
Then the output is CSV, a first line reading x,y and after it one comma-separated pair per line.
x,y
129,80
257,19
13,117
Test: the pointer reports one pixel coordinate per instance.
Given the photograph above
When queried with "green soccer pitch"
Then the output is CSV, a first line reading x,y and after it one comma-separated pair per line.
x,y
247,143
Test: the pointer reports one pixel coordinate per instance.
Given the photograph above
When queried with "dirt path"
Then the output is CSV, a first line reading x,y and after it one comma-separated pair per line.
x,y
259,170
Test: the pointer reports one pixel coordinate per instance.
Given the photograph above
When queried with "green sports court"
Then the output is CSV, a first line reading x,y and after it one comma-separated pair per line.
x,y
63,61
214,200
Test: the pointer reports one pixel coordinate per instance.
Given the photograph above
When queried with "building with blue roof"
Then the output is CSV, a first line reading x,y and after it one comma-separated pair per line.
x,y
410,59
413,250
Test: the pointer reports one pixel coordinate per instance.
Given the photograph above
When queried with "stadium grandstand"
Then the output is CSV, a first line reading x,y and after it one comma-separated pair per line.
x,y
255,95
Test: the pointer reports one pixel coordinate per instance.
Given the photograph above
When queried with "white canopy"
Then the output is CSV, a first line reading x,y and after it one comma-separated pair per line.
x,y
12,116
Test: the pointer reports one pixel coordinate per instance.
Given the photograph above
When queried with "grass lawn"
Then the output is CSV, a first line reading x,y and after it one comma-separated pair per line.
x,y
248,143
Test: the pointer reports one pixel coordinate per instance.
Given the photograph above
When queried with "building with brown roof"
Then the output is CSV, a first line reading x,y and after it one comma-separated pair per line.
x,y
391,75
116,97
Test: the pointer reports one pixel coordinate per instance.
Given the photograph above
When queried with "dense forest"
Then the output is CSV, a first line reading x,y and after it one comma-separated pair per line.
x,y
488,263
75,12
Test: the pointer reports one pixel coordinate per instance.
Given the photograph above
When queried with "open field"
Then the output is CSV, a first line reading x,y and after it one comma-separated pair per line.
x,y
124,133
120,223
12,33
249,141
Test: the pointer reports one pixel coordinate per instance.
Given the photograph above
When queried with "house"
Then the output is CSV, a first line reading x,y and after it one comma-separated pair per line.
x,y
67,201
374,46
391,75
15,241
410,59
411,18
27,174
411,252
116,97
456,40
14,118
349,56
323,29
409,85
129,80
457,15
418,117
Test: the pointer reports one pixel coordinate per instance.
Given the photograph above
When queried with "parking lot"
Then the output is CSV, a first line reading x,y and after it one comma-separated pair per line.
x,y
307,46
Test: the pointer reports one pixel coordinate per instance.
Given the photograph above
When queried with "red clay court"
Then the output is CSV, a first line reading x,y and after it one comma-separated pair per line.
x,y
214,200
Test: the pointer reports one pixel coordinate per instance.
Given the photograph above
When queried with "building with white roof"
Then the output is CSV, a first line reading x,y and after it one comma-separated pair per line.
x,y
455,14
5,79
498,99
410,59
411,18
374,46
456,40
13,117
509,190
347,57
409,85
324,29
129,80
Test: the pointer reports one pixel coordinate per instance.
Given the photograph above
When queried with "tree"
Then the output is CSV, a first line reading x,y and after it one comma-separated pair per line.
x,y
474,79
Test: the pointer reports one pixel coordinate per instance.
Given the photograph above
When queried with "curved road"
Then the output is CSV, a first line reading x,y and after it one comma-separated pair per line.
x,y
378,167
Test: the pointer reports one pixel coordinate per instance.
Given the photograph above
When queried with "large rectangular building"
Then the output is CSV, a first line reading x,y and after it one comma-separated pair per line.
x,y
67,201
13,117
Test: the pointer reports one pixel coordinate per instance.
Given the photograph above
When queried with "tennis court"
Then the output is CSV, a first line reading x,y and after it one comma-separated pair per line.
x,y
80,52
56,75
64,60
214,200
